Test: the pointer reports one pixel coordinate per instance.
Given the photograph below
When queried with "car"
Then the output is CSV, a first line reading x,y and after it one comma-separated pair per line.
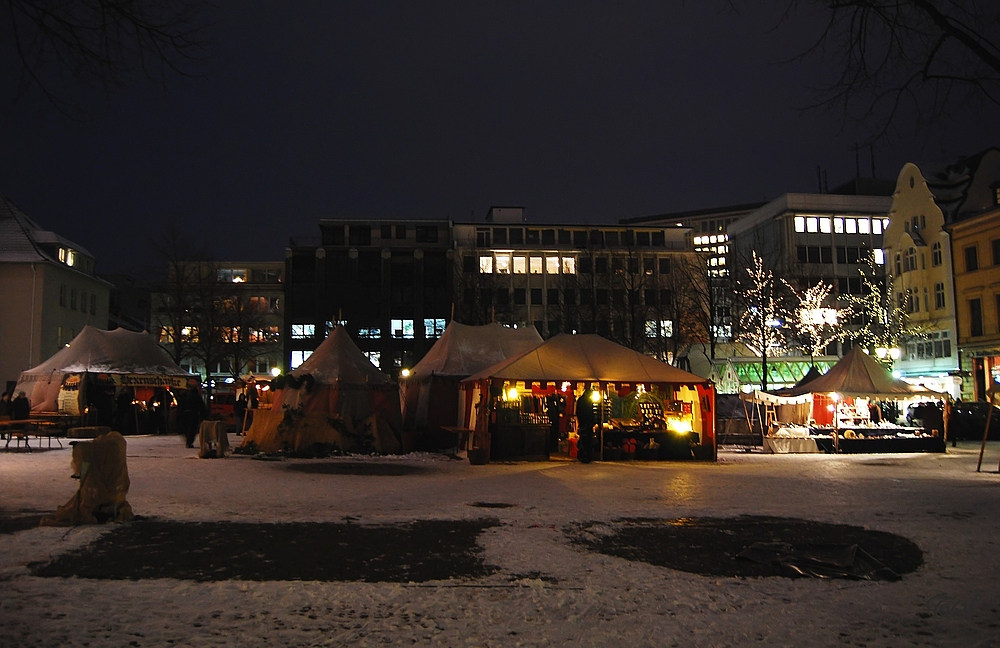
x,y
967,421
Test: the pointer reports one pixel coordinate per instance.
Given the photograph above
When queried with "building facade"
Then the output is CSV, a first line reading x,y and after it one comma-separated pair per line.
x,y
919,269
49,292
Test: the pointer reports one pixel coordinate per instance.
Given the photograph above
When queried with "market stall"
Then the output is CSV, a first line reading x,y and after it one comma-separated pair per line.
x,y
526,407
853,408
105,378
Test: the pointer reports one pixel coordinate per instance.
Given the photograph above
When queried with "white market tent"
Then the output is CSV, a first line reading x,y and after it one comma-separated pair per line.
x,y
124,358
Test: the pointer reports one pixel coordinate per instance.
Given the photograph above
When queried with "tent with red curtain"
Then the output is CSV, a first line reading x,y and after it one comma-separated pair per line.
x,y
577,361
336,398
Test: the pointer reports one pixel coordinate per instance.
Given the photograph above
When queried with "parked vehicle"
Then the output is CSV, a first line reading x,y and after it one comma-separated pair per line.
x,y
968,420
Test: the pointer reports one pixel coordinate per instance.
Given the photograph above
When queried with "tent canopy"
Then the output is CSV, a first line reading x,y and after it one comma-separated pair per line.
x,y
337,358
858,374
585,358
463,350
110,352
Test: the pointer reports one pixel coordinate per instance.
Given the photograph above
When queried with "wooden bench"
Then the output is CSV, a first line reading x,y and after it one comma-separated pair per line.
x,y
40,428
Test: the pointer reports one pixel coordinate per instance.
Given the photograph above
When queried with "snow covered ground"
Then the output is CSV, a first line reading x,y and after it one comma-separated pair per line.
x,y
548,591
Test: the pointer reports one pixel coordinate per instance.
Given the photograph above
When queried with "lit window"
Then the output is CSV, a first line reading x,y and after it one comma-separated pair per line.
x,y
535,265
879,256
433,328
800,224
62,255
486,264
298,357
876,226
303,331
375,357
864,226
552,265
838,225
503,264
402,329
520,266
666,328
824,225
851,226
370,333
651,329
569,265
70,257
812,224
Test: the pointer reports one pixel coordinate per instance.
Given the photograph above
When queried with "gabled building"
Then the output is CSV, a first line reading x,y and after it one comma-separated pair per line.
x,y
49,291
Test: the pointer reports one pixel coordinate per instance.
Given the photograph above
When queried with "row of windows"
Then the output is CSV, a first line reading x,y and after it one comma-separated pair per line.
x,y
909,300
244,275
600,297
67,298
846,255
839,225
400,329
504,263
487,237
230,334
362,234
936,345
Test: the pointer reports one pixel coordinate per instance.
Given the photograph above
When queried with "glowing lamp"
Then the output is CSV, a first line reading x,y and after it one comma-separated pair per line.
x,y
595,396
404,373
275,372
835,397
512,393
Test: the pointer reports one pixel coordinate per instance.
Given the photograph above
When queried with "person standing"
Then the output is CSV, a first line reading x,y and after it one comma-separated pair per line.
x,y
191,411
20,407
586,417
240,410
555,405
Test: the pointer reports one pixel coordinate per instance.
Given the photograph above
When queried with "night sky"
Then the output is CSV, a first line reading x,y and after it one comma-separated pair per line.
x,y
578,111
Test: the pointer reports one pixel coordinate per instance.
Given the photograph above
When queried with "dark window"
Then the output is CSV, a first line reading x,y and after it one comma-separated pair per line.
x,y
482,237
642,238
852,255
333,235
841,254
519,296
553,296
548,237
813,254
586,298
564,237
628,237
502,296
664,265
469,264
650,297
580,238
666,297
633,266
516,236
386,231
500,235
569,296
996,251
658,239
536,295
935,254
485,296
601,265
602,297
361,235
585,265
596,237
401,231
611,239
532,237
939,296
971,260
975,316
648,265
854,285
802,254
617,264
618,297
826,255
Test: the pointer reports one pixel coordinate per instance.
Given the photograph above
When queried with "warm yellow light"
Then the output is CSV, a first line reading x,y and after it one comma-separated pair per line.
x,y
595,396
275,371
679,425
512,393
895,353
404,373
881,352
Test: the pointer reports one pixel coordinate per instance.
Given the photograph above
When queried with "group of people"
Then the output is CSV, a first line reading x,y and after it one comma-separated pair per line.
x,y
14,408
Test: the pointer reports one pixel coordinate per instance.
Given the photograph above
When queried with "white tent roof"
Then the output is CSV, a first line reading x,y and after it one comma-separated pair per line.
x,y
463,350
112,352
338,358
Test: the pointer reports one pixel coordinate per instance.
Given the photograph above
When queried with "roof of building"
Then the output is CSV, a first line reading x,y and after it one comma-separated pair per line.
x,y
828,203
672,218
20,237
951,184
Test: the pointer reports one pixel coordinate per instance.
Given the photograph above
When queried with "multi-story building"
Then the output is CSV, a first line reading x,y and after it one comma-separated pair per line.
x,y
918,250
223,319
395,284
620,281
49,292
975,239
389,282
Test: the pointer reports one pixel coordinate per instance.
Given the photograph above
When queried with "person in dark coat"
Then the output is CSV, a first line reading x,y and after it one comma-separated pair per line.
x,y
586,417
20,407
5,404
192,412
555,405
240,410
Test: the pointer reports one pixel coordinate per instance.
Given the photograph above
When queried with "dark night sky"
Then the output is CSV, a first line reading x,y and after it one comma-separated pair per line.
x,y
578,111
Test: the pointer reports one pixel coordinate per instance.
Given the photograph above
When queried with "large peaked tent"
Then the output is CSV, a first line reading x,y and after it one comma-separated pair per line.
x,y
432,397
859,374
336,397
126,358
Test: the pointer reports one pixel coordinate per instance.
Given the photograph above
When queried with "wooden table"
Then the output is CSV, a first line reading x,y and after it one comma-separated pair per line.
x,y
39,427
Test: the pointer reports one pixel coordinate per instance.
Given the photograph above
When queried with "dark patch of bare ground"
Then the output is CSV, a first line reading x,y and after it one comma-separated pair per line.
x,y
709,546
322,551
358,468
14,521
